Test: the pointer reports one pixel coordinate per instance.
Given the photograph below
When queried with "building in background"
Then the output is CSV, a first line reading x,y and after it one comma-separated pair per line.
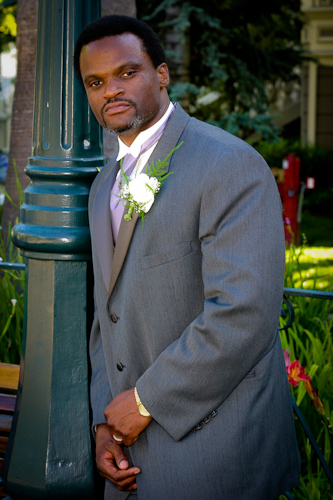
x,y
317,75
8,66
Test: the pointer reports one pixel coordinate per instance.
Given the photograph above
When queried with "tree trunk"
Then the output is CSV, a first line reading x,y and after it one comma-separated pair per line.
x,y
22,114
23,104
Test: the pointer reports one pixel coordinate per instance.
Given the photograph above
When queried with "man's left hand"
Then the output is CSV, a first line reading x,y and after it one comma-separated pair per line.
x,y
123,418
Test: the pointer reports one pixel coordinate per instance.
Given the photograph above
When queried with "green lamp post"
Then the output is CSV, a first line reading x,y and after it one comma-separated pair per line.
x,y
49,452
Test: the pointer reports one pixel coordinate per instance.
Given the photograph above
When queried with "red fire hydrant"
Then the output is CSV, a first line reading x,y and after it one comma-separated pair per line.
x,y
289,194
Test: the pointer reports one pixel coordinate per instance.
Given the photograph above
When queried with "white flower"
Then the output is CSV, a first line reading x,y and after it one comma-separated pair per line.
x,y
138,194
142,189
154,184
14,301
124,192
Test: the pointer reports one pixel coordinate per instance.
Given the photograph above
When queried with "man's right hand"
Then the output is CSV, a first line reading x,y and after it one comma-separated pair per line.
x,y
112,462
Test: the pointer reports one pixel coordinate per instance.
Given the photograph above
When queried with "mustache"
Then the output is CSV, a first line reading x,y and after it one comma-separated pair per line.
x,y
116,99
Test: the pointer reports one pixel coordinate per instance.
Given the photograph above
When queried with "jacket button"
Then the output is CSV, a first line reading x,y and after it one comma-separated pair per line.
x,y
114,318
120,366
214,413
198,427
206,420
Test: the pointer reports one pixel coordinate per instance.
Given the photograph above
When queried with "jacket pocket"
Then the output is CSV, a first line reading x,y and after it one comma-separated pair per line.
x,y
164,257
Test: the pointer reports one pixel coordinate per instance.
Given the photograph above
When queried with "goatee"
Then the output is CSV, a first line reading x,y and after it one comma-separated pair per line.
x,y
134,124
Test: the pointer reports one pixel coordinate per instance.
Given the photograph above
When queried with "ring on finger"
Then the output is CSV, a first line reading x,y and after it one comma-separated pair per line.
x,y
117,440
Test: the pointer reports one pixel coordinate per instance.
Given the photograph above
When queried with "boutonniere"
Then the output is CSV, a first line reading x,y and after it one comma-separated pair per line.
x,y
138,194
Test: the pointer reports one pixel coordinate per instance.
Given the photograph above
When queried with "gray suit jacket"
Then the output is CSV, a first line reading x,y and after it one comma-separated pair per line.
x,y
188,311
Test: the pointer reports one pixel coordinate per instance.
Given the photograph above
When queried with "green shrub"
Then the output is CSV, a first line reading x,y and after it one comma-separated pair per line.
x,y
11,304
12,285
309,341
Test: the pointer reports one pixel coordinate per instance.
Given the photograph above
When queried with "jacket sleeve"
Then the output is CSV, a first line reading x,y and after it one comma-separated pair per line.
x,y
242,244
100,394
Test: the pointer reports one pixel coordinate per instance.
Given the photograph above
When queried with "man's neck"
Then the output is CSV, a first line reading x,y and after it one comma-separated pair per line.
x,y
143,136
129,136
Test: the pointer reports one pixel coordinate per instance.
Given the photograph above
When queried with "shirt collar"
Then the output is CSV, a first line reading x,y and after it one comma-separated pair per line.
x,y
135,148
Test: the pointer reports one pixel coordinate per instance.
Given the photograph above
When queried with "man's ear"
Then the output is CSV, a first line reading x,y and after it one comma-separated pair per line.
x,y
163,75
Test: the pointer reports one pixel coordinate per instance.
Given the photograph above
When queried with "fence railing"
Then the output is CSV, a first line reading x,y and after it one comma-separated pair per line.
x,y
12,266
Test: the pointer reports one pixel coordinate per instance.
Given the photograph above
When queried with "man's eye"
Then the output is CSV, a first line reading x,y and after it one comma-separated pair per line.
x,y
95,83
128,74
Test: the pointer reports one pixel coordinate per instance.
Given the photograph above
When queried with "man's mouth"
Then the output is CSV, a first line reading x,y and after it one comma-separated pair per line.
x,y
113,108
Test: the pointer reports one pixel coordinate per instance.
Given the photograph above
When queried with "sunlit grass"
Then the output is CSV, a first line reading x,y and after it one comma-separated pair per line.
x,y
310,267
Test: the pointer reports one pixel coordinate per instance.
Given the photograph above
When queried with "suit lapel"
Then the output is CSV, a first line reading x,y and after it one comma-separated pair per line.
x,y
102,225
167,142
170,136
125,234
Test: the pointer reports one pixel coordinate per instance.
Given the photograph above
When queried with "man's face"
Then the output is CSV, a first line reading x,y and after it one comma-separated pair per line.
x,y
125,92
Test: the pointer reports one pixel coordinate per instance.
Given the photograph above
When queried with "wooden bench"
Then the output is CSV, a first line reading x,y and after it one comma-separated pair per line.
x,y
9,378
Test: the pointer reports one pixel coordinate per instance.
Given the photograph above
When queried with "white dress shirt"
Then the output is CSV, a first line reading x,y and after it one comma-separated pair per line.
x,y
135,147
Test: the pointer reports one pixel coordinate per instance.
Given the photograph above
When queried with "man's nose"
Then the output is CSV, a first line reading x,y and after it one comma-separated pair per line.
x,y
113,89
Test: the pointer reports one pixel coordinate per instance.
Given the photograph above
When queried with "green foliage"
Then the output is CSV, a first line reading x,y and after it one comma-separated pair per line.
x,y
318,230
239,51
7,25
11,293
19,191
309,268
310,342
18,187
11,303
160,169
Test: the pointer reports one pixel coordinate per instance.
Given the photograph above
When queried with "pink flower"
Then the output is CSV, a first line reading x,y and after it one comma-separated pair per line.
x,y
295,371
286,357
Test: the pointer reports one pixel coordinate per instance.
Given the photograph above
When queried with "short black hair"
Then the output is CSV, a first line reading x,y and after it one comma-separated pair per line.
x,y
117,25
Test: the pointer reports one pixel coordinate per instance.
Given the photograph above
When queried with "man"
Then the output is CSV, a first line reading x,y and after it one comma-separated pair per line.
x,y
189,391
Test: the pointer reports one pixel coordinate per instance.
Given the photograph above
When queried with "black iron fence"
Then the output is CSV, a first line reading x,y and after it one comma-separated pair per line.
x,y
12,266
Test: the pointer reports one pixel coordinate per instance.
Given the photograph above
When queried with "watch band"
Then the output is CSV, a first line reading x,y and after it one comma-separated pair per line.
x,y
141,408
